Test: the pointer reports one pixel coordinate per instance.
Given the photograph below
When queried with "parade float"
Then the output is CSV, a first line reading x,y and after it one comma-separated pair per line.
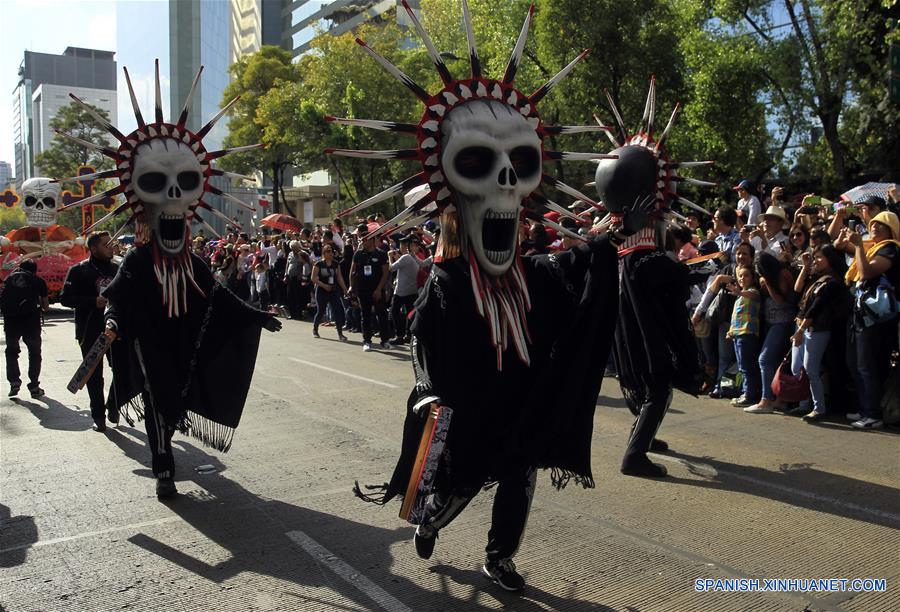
x,y
55,248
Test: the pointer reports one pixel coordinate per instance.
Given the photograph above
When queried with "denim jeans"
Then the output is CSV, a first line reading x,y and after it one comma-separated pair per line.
x,y
726,352
867,358
774,348
809,356
746,347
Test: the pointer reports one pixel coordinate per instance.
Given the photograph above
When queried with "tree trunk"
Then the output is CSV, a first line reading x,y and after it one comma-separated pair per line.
x,y
276,180
830,126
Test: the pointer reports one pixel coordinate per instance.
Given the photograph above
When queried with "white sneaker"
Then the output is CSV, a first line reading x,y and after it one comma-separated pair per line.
x,y
367,347
759,409
867,423
854,416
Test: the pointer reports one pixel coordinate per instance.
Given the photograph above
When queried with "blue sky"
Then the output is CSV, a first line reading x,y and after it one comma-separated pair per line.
x,y
49,26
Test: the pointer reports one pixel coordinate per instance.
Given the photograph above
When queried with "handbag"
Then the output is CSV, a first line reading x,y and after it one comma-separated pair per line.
x,y
878,304
720,308
787,387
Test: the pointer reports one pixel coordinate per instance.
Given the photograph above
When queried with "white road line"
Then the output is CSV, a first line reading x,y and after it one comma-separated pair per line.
x,y
342,373
325,557
88,534
709,471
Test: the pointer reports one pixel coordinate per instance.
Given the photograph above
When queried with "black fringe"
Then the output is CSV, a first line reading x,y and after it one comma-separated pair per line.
x,y
211,434
375,498
132,410
560,478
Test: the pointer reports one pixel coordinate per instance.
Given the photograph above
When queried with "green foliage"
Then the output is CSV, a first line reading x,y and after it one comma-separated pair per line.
x,y
11,218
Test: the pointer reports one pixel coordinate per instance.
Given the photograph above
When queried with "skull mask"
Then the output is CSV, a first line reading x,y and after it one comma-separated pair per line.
x,y
168,179
492,161
40,197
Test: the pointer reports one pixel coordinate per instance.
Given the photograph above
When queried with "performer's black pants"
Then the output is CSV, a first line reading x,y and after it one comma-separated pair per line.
x,y
323,299
367,303
159,439
512,504
95,382
400,309
293,297
652,411
27,329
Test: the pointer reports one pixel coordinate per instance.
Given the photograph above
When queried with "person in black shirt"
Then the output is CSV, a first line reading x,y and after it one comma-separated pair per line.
x,y
327,277
84,283
368,275
24,295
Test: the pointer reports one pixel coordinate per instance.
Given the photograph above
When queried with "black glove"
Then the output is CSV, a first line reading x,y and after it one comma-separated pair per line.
x,y
636,218
272,324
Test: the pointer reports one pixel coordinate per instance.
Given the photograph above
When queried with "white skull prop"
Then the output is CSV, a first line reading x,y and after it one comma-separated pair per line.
x,y
167,179
492,161
39,201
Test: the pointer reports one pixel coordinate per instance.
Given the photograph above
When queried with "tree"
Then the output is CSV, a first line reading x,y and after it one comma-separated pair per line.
x,y
253,76
64,156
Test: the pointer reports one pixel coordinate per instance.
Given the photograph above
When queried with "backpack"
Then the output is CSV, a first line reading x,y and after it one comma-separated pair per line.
x,y
18,297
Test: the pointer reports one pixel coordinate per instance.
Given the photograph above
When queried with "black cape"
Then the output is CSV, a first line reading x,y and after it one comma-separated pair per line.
x,y
197,381
539,415
655,343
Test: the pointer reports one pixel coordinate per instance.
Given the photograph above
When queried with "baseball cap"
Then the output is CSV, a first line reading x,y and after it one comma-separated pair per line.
x,y
744,184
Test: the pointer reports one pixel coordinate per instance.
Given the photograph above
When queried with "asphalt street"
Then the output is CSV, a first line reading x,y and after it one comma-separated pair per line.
x,y
273,524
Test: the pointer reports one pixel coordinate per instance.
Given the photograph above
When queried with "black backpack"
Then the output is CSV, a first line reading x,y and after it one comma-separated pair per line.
x,y
18,296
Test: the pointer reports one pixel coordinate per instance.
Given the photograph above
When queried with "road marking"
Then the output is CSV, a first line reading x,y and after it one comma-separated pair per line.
x,y
89,534
709,471
325,557
341,372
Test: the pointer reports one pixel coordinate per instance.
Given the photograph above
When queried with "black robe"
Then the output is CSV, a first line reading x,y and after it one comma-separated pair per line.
x,y
198,383
539,415
655,343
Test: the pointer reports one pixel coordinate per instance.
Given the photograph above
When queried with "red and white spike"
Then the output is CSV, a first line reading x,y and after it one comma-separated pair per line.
x,y
470,41
90,145
233,175
436,58
209,124
649,109
216,213
690,204
217,154
395,72
134,103
608,130
573,156
665,133
689,164
509,76
123,226
206,225
158,105
385,126
107,217
109,127
617,115
559,76
568,190
574,129
182,118
693,181
401,187
88,177
95,198
369,154
231,198
566,232
551,205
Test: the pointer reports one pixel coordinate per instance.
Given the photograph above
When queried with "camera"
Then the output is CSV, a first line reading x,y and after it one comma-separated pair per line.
x,y
809,210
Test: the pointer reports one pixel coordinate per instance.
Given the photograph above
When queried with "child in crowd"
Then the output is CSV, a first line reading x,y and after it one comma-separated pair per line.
x,y
744,331
261,278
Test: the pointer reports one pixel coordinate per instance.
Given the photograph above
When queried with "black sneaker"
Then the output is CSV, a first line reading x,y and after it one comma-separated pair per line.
x,y
504,573
425,539
36,392
14,390
99,425
113,416
646,469
316,333
165,488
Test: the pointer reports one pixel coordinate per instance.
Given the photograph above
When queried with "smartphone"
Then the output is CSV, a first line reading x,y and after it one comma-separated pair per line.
x,y
750,227
814,200
809,209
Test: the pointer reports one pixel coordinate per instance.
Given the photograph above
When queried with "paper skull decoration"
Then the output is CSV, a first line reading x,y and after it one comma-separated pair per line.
x,y
40,198
480,144
163,171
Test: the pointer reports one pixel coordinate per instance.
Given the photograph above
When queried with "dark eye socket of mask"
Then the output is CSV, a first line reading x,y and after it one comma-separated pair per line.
x,y
30,200
152,182
188,180
474,162
49,202
525,160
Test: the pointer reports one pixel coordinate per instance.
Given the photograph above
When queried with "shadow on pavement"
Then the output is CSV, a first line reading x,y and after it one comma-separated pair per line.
x,y
57,415
799,485
253,530
19,533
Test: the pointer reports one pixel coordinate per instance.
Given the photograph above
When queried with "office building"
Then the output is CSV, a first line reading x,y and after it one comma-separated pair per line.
x,y
5,175
44,83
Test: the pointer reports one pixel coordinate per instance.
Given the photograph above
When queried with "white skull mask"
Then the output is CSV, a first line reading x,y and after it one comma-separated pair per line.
x,y
39,201
492,161
168,179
